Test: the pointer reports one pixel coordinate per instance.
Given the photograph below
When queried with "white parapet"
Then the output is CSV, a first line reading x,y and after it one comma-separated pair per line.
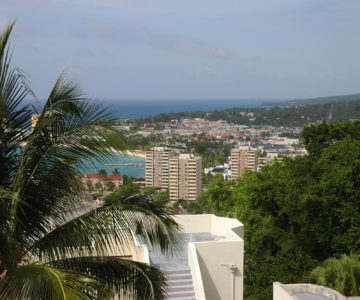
x,y
216,266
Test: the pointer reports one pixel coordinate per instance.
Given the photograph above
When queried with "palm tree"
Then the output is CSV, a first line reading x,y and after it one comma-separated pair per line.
x,y
102,173
342,275
116,172
46,251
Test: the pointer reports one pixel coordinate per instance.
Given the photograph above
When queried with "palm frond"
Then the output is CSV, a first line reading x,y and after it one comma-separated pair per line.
x,y
46,282
113,228
125,278
14,119
71,131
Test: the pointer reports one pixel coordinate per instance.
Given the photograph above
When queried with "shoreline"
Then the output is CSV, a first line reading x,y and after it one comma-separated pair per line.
x,y
135,153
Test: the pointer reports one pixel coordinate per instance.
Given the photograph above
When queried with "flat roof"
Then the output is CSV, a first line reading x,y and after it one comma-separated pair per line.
x,y
180,260
310,296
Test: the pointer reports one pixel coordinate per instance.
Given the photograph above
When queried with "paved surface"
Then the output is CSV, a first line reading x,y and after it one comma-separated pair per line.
x,y
310,296
180,260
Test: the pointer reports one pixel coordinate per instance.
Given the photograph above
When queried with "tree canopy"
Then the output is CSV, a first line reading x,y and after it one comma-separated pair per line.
x,y
298,212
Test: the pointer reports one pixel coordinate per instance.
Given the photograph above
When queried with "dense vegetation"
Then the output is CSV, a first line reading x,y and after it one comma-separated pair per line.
x,y
297,213
318,100
341,274
275,116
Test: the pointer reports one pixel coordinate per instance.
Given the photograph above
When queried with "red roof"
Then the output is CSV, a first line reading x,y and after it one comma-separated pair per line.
x,y
107,177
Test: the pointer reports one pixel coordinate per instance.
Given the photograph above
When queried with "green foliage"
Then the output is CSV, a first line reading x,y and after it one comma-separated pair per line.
x,y
213,152
123,192
219,195
192,207
299,212
116,172
298,115
163,196
96,195
110,186
90,186
102,173
99,186
138,141
318,137
342,275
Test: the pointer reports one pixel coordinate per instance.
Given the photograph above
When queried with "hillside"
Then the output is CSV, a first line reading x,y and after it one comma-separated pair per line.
x,y
319,100
275,116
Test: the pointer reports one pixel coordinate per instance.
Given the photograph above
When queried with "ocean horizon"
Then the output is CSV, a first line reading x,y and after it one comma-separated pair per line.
x,y
144,108
141,108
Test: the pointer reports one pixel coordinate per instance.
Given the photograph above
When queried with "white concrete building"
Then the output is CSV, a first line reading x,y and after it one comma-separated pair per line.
x,y
209,262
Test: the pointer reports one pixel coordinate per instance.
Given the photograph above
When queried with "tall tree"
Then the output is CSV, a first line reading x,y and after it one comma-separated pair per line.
x,y
342,275
102,173
46,252
116,172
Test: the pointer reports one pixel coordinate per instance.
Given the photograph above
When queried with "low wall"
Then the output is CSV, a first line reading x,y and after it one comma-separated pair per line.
x,y
212,280
217,277
288,291
194,266
194,223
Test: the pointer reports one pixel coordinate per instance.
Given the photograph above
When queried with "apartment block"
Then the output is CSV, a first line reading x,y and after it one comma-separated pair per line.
x,y
243,158
157,167
185,177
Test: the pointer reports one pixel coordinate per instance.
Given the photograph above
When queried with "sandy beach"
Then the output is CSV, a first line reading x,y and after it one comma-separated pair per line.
x,y
136,153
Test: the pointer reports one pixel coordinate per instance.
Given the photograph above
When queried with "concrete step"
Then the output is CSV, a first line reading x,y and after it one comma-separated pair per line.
x,y
181,295
174,283
174,272
179,277
180,284
181,288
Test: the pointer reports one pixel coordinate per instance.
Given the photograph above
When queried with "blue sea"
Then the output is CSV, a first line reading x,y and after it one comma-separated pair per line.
x,y
144,108
118,162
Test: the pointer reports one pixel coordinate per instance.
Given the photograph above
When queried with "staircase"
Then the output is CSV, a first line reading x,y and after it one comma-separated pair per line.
x,y
180,285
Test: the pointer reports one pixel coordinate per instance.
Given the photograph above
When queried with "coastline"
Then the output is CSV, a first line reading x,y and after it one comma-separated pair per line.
x,y
135,153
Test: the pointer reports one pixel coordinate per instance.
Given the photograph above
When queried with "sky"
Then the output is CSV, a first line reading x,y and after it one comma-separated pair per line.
x,y
189,49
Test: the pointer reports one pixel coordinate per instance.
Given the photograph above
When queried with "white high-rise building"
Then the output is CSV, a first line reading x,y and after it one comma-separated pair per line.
x,y
157,167
243,158
185,177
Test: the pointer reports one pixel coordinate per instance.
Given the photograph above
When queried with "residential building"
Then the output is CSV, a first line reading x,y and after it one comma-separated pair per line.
x,y
157,167
94,178
185,177
243,158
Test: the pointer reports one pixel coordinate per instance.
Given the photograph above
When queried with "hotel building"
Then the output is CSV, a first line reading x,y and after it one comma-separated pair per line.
x,y
157,167
243,158
185,177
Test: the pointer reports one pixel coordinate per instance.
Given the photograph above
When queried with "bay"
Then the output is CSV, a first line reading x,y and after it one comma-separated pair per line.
x,y
121,162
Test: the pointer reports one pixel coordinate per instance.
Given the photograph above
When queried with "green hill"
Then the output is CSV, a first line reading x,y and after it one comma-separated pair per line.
x,y
319,100
298,115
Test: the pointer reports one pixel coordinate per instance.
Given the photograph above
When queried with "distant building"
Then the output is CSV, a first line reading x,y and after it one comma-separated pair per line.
x,y
95,178
243,158
157,167
185,177
270,157
34,120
